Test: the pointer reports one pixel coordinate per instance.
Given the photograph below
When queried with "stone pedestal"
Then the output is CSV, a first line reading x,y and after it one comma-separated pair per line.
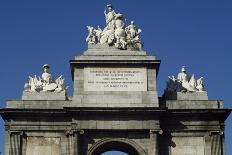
x,y
44,95
108,77
186,96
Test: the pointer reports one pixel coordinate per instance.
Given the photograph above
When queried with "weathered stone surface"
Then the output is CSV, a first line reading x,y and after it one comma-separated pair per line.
x,y
104,50
194,104
188,146
115,79
91,91
43,146
136,142
44,95
186,96
129,119
115,123
38,104
117,117
116,100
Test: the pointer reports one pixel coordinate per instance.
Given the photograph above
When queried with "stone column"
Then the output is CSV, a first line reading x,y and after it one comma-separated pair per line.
x,y
154,148
15,143
76,143
24,143
207,144
70,145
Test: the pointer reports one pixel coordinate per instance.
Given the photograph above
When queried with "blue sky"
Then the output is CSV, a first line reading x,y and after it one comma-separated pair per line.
x,y
194,33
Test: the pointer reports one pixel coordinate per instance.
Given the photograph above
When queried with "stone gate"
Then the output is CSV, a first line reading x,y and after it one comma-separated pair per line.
x,y
115,105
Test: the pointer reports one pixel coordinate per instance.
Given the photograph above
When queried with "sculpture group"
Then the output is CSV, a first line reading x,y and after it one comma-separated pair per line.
x,y
45,83
183,83
116,33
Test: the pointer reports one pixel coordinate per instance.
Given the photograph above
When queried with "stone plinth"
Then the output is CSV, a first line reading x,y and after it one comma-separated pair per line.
x,y
186,96
44,95
108,77
104,49
194,104
38,104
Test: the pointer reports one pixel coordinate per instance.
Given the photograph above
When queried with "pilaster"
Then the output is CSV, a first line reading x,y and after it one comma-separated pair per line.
x,y
154,148
15,143
74,142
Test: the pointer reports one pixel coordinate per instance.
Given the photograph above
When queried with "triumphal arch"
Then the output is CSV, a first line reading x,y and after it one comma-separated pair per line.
x,y
115,105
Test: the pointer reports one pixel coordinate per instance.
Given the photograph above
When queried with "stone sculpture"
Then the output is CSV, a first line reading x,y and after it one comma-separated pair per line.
x,y
133,37
120,34
45,83
92,37
184,84
115,33
110,17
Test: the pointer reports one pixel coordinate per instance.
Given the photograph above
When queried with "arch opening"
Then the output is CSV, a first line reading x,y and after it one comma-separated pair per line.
x,y
120,145
114,153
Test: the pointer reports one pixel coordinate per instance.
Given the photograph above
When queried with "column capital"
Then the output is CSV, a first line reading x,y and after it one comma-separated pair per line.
x,y
217,132
16,132
74,131
156,131
74,125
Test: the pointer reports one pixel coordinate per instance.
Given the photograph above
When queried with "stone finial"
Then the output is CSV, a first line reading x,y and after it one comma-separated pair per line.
x,y
45,83
115,33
